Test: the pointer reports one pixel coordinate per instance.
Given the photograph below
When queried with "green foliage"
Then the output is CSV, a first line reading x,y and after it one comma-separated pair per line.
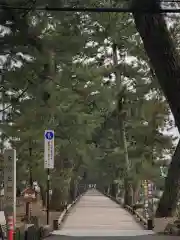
x,y
68,83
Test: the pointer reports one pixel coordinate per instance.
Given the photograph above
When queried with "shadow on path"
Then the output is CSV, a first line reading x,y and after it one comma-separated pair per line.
x,y
142,237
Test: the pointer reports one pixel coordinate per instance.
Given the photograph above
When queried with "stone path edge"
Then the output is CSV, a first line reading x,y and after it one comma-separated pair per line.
x,y
63,215
66,211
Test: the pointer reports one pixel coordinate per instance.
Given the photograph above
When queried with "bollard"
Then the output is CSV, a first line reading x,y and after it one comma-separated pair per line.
x,y
31,233
150,224
133,209
17,234
1,233
10,228
26,235
40,233
55,224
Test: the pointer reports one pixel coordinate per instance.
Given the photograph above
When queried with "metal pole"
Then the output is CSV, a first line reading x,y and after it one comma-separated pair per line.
x,y
30,168
3,112
48,181
30,180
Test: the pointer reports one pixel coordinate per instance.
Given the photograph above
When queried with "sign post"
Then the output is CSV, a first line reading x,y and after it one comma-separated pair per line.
x,y
150,199
148,203
48,161
10,187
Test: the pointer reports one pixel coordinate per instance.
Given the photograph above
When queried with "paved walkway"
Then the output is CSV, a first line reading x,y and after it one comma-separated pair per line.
x,y
95,211
97,215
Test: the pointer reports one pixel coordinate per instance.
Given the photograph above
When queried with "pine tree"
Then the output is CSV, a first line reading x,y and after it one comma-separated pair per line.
x,y
165,63
66,83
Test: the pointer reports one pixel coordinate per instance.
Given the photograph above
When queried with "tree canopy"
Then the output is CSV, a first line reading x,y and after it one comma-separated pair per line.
x,y
87,77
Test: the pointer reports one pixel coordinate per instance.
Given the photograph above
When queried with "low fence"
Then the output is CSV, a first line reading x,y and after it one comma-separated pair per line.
x,y
146,223
32,233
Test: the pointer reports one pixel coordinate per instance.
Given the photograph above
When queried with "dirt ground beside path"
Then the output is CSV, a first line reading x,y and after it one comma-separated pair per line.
x,y
160,223
38,211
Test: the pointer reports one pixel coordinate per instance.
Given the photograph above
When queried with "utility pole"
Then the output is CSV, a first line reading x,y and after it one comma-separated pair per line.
x,y
2,132
120,103
3,112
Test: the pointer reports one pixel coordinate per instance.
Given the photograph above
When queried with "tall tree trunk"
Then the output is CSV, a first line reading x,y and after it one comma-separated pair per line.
x,y
73,190
169,198
58,200
121,121
106,189
128,200
43,195
113,190
165,61
136,190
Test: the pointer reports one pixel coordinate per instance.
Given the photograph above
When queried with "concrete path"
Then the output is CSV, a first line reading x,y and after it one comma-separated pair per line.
x,y
97,215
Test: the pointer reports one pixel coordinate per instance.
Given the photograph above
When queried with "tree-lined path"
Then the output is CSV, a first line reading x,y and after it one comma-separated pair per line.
x,y
95,214
107,84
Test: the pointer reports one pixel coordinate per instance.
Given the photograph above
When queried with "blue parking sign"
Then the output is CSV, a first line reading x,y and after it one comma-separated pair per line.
x,y
49,135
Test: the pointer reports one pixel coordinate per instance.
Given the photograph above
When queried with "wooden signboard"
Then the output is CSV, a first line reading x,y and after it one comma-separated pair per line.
x,y
29,195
